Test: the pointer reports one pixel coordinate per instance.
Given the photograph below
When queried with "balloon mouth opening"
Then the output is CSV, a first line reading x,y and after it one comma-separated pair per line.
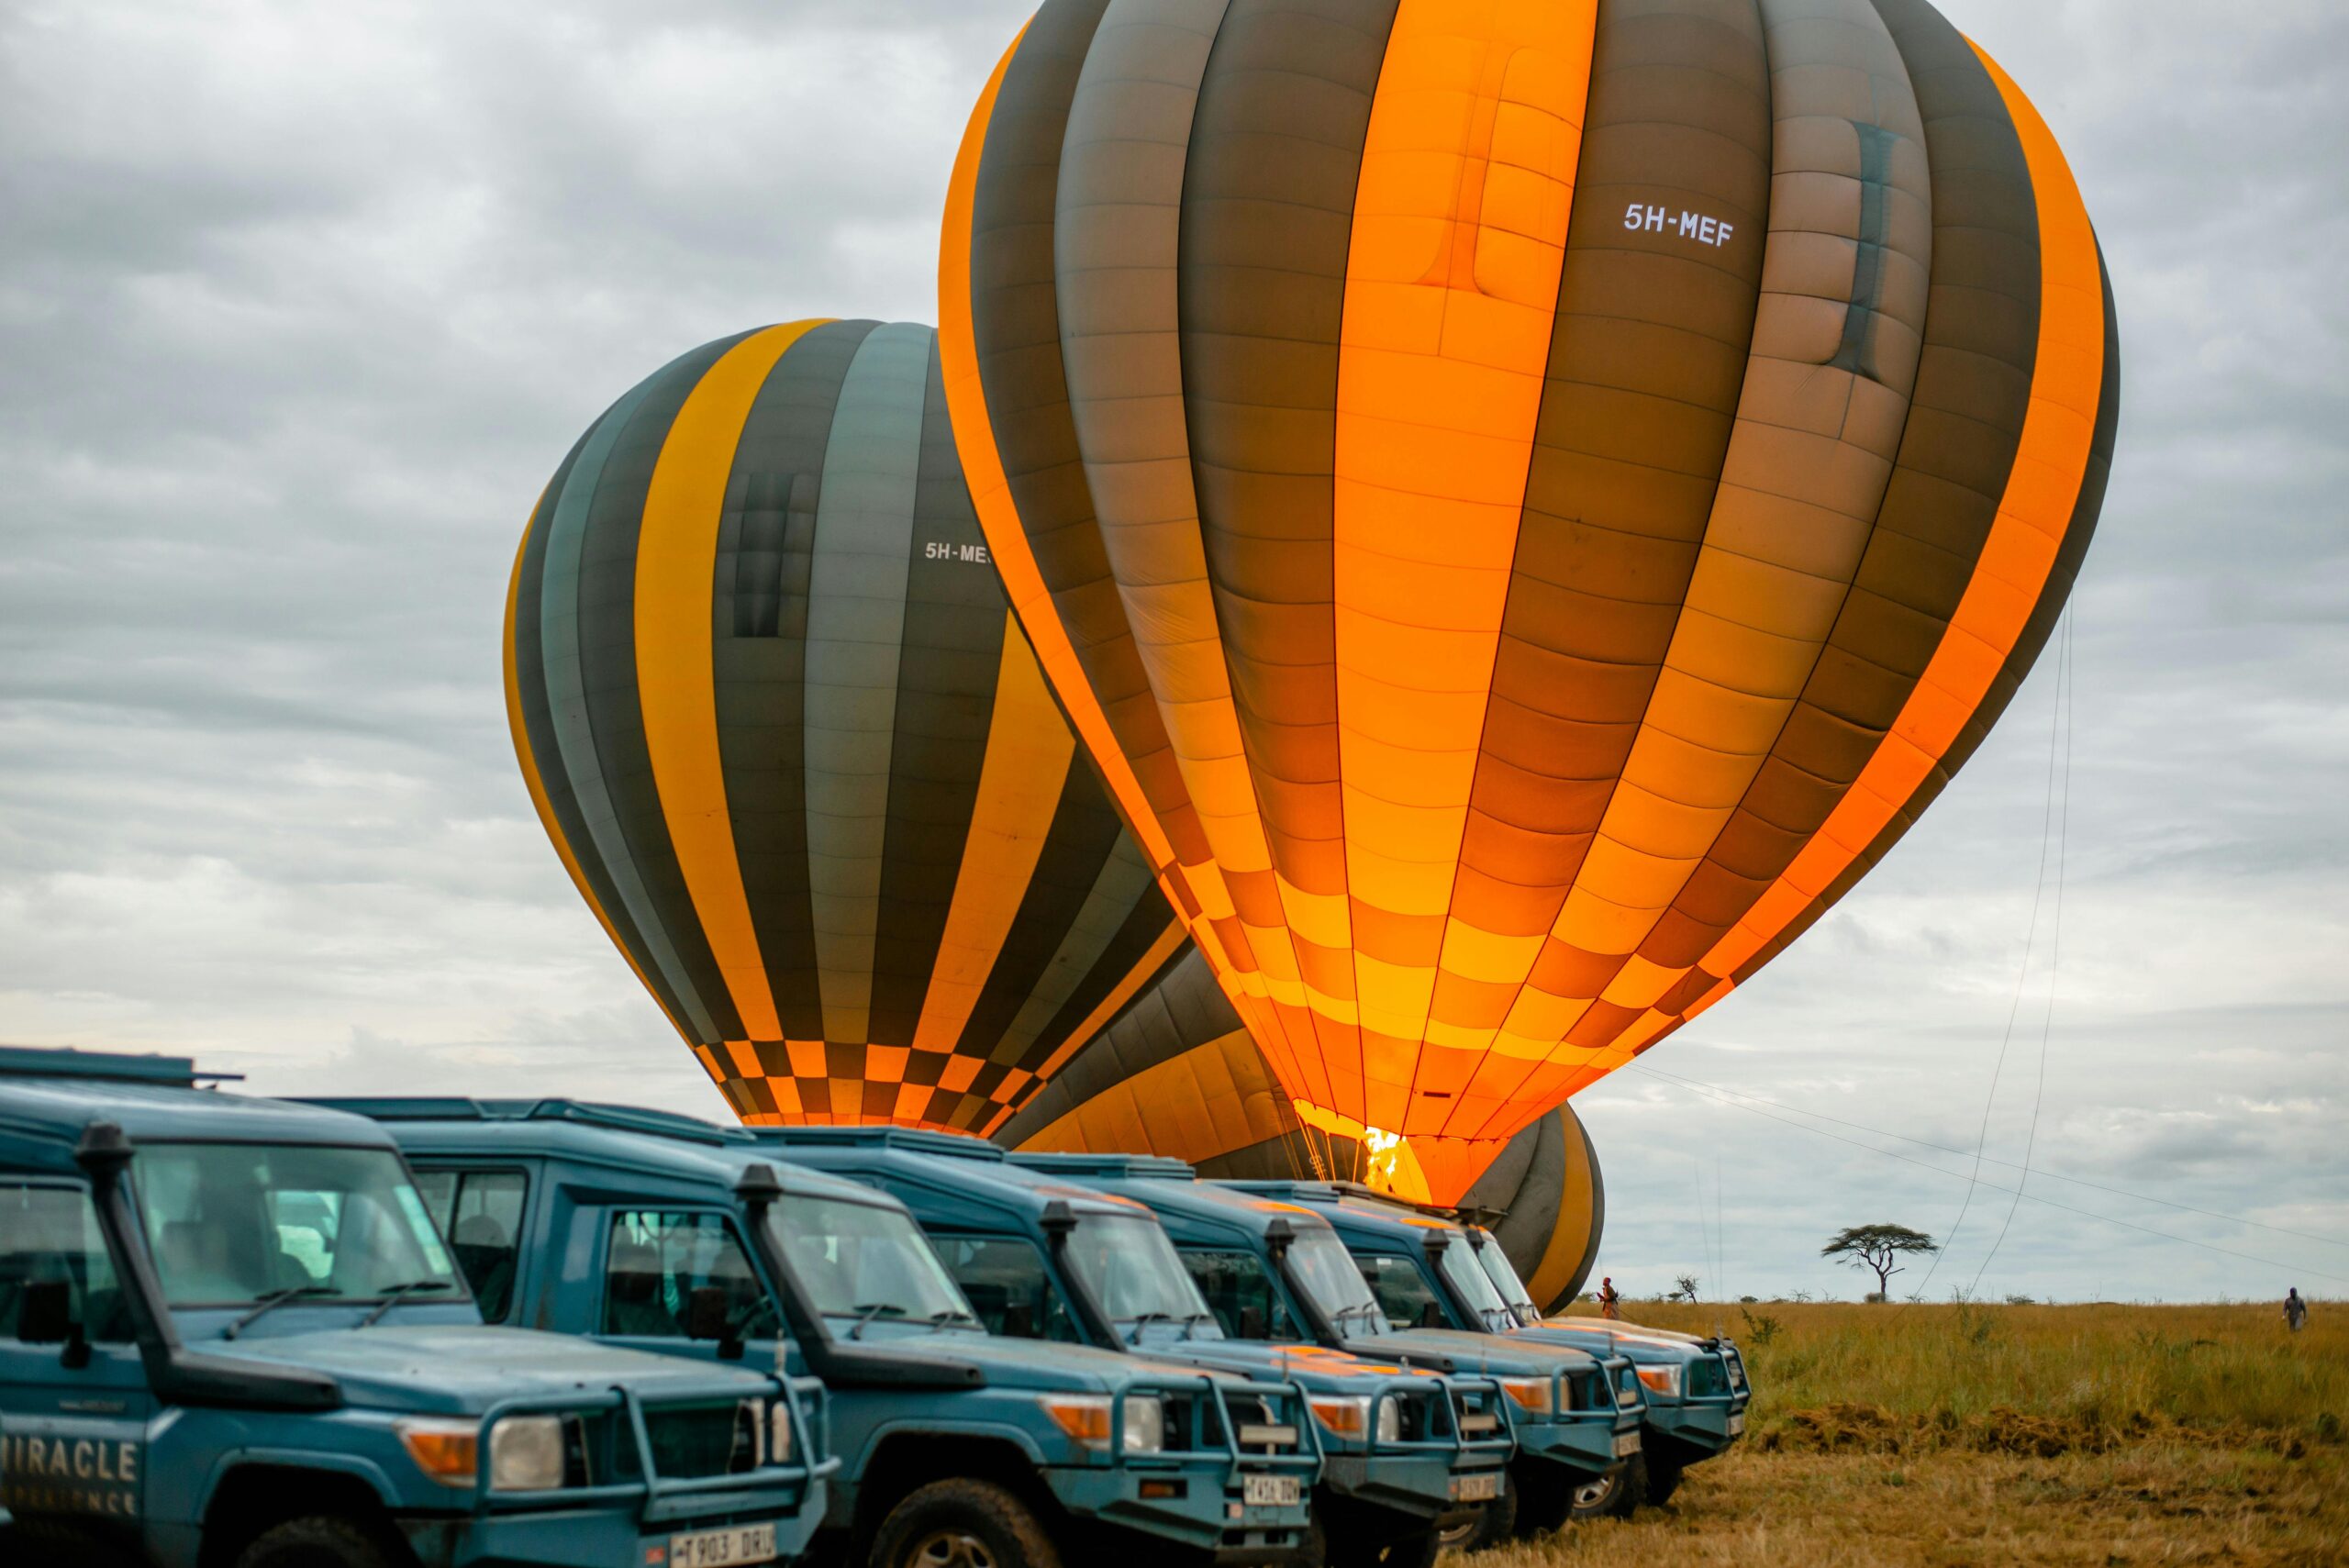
x,y
1387,1163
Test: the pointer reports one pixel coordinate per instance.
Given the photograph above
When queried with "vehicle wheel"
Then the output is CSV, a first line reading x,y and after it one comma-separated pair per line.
x,y
321,1540
1614,1495
1545,1501
1663,1480
963,1523
1359,1548
1495,1525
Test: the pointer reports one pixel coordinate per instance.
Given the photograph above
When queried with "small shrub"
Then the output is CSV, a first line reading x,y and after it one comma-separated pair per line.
x,y
1760,1328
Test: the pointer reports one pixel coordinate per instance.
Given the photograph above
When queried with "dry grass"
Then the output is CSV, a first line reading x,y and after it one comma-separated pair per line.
x,y
1941,1436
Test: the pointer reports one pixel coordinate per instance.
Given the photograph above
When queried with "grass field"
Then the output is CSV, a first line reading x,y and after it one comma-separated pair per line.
x,y
1964,1435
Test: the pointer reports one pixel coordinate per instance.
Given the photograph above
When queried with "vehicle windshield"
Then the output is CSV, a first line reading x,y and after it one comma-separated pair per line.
x,y
234,1224
1457,1263
1503,1273
1129,1267
1320,1267
863,1261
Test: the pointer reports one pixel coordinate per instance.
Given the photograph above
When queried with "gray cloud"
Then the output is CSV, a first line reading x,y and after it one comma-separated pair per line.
x,y
302,305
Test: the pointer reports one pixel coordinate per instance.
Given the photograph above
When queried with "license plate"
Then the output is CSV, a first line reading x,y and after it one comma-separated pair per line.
x,y
1736,1425
1626,1444
722,1548
1481,1488
1271,1491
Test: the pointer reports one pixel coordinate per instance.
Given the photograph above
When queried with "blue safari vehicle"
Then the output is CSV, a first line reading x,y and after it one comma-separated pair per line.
x,y
1408,1453
1276,1271
1697,1389
958,1446
230,1337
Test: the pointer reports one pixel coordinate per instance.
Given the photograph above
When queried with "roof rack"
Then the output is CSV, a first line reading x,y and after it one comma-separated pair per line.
x,y
122,1067
587,1113
1107,1167
912,1139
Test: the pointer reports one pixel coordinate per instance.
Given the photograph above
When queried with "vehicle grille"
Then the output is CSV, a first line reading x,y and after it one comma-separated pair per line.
x,y
1708,1378
696,1441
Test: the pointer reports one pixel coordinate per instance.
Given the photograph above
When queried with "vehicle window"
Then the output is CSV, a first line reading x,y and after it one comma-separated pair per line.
x,y
1241,1294
863,1261
1320,1265
1503,1273
230,1223
49,1234
661,1258
1131,1269
1403,1293
480,1214
1471,1284
1008,1286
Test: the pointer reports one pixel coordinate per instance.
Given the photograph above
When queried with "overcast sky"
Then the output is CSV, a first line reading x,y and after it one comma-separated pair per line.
x,y
300,305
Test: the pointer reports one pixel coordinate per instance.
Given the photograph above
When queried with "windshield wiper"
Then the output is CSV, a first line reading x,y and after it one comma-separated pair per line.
x,y
274,1299
1191,1320
394,1293
1370,1312
872,1309
952,1314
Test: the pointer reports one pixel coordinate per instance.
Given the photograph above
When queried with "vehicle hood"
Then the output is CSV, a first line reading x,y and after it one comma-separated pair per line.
x,y
1501,1355
463,1369
1036,1363
1311,1367
1649,1346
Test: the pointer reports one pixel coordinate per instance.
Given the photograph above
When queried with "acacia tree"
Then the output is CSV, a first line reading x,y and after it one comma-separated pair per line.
x,y
1877,1247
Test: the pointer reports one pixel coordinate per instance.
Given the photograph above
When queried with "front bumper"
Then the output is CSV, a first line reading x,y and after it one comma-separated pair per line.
x,y
1441,1474
1696,1430
1197,1495
627,1524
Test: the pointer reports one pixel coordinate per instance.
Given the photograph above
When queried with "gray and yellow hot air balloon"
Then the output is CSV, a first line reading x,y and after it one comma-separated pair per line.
x,y
776,715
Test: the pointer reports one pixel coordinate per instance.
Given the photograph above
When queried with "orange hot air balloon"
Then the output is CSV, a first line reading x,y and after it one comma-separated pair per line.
x,y
770,702
1525,502
1176,1073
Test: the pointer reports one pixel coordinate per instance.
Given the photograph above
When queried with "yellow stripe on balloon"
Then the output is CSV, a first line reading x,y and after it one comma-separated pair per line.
x,y
676,563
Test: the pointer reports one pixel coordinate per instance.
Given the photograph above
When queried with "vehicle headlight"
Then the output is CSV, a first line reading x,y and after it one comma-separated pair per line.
x,y
447,1451
1145,1422
526,1453
1663,1380
1531,1394
779,1433
1084,1417
1390,1420
1346,1415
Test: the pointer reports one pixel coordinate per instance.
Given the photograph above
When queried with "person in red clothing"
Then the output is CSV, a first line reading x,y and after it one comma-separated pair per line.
x,y
1607,1297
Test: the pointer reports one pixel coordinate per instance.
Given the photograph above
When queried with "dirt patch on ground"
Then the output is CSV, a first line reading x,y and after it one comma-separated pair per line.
x,y
1848,1427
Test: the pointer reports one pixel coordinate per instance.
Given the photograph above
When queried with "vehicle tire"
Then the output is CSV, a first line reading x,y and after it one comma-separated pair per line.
x,y
1494,1526
1615,1495
1360,1548
1663,1480
321,1540
963,1523
1545,1503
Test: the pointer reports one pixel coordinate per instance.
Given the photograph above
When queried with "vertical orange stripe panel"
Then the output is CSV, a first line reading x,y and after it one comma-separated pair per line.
x,y
1028,756
1459,234
2050,466
676,561
528,759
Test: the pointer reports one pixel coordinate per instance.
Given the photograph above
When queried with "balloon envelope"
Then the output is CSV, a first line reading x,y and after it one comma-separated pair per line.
x,y
777,719
1174,1073
1524,503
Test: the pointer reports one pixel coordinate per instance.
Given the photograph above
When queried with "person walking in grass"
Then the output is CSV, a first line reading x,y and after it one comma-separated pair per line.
x,y
2295,1311
1609,1297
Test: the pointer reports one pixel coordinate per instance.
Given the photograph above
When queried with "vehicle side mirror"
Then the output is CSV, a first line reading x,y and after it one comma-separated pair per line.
x,y
46,1318
709,1315
1430,1314
1251,1323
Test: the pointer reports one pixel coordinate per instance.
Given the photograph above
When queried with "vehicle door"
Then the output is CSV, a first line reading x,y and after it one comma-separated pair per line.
x,y
678,1280
73,1389
1009,1283
482,1212
1405,1293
